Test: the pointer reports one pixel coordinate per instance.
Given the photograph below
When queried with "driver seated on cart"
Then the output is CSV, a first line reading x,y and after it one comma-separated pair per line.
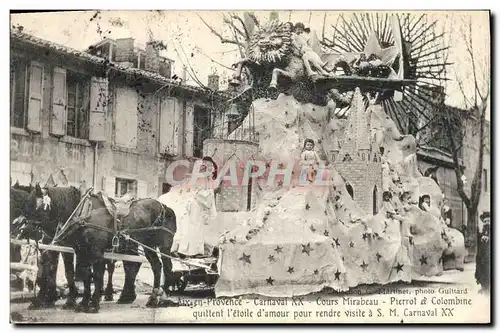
x,y
193,202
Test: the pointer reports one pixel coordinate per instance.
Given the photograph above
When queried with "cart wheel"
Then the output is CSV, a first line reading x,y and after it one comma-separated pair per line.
x,y
180,284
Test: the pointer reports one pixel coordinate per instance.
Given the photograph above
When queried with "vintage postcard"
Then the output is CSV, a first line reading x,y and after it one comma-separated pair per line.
x,y
250,167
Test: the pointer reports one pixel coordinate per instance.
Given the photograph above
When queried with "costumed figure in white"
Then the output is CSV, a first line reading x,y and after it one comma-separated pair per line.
x,y
193,202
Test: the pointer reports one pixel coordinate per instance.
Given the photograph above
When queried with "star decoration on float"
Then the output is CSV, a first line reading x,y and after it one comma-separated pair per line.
x,y
399,267
290,270
337,275
336,240
364,266
365,236
351,244
270,280
279,249
306,248
423,260
245,258
387,56
280,183
271,258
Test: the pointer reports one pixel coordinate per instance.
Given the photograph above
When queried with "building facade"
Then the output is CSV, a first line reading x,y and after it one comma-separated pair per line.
x,y
110,117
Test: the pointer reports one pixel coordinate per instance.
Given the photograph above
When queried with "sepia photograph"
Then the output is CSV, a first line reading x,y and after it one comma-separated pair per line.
x,y
250,166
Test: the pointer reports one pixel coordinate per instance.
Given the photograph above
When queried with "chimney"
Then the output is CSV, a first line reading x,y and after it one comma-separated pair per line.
x,y
124,51
152,58
213,82
165,68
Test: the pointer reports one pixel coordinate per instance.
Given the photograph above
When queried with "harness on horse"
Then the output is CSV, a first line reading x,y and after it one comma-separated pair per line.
x,y
118,230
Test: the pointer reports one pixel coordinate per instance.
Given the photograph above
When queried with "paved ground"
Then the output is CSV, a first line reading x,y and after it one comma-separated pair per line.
x,y
204,312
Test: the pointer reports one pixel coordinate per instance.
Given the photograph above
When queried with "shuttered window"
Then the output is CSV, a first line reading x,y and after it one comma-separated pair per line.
x,y
99,99
18,86
58,118
35,101
169,127
77,106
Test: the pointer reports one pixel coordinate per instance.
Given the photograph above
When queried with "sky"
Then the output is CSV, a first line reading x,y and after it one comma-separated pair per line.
x,y
189,42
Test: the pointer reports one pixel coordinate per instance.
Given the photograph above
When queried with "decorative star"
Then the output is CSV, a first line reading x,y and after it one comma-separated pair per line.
x,y
364,266
312,228
268,165
307,206
290,269
423,260
399,267
337,275
365,236
378,256
270,280
316,272
245,258
336,240
271,258
325,233
280,183
387,55
351,244
279,249
306,248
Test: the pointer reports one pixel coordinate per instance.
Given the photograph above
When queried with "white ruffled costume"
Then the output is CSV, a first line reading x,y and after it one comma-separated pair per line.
x,y
194,206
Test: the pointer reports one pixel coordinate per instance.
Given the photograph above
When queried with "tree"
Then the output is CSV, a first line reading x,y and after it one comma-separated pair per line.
x,y
452,120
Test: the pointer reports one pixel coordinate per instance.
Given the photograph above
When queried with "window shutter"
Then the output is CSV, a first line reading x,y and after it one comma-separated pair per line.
x,y
168,120
98,108
142,189
189,130
35,97
108,185
58,118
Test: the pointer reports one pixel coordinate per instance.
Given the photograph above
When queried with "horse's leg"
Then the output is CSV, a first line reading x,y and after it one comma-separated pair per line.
x,y
156,267
86,271
276,73
128,294
98,276
167,270
108,293
69,268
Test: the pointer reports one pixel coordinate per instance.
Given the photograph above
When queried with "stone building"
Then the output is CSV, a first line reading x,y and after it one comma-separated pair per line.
x,y
111,117
357,158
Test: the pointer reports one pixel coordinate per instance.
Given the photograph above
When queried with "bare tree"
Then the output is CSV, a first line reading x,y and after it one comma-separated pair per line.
x,y
455,128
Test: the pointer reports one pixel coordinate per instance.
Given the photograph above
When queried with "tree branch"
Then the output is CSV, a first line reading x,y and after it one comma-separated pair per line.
x,y
247,35
222,38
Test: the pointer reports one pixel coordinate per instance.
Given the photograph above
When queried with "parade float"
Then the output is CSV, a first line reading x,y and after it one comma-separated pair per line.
x,y
361,213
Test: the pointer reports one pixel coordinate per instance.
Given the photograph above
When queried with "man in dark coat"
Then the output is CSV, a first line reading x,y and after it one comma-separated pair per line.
x,y
483,265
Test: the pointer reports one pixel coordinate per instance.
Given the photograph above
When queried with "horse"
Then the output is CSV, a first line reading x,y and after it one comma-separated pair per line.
x,y
148,222
45,220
